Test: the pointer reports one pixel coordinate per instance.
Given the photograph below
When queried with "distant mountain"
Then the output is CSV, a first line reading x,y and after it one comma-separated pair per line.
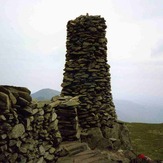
x,y
134,112
45,94
127,111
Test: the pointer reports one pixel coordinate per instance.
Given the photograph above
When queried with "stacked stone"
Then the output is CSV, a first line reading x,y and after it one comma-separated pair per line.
x,y
45,131
28,133
87,72
66,110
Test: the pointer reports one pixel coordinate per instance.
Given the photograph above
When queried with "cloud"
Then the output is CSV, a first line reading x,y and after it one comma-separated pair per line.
x,y
139,10
135,79
157,51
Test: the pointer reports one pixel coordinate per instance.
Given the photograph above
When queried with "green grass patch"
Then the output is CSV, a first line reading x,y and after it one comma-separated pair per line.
x,y
147,139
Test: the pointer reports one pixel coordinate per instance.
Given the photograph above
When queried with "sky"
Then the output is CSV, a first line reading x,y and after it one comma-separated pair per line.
x,y
33,44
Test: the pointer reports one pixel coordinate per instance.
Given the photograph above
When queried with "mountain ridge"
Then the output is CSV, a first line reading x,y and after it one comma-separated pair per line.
x,y
45,94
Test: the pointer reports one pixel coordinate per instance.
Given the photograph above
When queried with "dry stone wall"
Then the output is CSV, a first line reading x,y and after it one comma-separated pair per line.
x,y
28,132
87,72
66,109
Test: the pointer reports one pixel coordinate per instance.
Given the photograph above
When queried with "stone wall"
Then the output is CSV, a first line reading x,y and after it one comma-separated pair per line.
x,y
66,109
28,132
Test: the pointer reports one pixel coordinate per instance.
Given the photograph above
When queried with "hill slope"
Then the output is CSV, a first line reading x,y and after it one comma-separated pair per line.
x,y
45,94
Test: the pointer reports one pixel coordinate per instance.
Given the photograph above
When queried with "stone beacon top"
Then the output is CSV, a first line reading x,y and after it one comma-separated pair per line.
x,y
87,71
85,20
84,35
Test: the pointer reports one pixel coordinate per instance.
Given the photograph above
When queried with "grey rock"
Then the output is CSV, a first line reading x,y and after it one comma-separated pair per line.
x,y
17,131
41,150
40,160
4,100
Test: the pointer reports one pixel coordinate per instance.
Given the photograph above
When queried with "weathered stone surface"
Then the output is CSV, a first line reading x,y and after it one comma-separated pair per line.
x,y
17,131
95,139
8,92
4,100
76,152
22,102
120,133
40,160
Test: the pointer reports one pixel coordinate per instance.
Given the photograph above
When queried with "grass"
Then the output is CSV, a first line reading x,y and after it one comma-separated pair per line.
x,y
147,139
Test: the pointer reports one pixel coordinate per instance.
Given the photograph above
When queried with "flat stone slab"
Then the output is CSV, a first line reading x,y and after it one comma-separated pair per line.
x,y
74,147
80,153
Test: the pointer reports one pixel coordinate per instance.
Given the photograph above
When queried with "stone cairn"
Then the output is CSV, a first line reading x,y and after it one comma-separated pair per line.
x,y
87,71
87,74
28,132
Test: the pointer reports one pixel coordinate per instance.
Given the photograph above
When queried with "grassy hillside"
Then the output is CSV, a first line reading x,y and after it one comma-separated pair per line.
x,y
147,139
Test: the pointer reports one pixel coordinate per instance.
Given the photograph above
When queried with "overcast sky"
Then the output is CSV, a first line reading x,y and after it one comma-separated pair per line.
x,y
33,39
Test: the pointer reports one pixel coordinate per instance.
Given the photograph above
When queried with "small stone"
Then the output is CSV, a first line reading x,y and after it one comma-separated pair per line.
x,y
40,118
2,118
3,148
55,103
12,98
28,123
49,157
54,98
4,100
6,126
40,160
17,131
22,159
112,139
41,150
41,112
22,102
72,103
2,142
3,136
27,110
12,142
54,125
47,147
31,118
47,115
23,149
34,111
54,116
13,157
52,150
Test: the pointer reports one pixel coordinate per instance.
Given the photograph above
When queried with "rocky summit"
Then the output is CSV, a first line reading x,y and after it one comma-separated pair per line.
x,y
80,125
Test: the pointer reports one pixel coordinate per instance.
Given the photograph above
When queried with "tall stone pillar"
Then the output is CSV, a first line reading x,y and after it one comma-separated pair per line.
x,y
87,72
87,76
